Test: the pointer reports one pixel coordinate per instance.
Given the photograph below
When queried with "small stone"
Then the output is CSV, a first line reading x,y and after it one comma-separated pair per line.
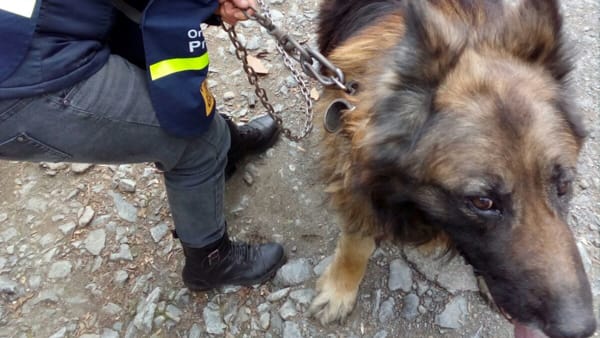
x,y
67,228
248,178
60,269
386,311
3,217
195,331
294,272
173,313
159,231
94,242
109,333
212,319
243,315
49,296
287,310
145,311
377,303
125,210
120,277
80,168
97,263
454,275
410,305
34,282
127,185
123,254
231,289
303,296
61,333
58,218
264,320
400,276
112,309
291,330
454,315
278,295
381,334
54,166
85,216
131,331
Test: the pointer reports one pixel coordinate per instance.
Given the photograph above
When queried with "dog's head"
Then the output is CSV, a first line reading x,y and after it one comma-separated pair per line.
x,y
473,134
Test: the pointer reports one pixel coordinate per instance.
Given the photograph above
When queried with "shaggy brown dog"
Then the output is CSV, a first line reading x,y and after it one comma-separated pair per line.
x,y
463,132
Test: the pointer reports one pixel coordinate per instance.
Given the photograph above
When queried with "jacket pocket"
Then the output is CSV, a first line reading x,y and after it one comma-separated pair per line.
x,y
23,147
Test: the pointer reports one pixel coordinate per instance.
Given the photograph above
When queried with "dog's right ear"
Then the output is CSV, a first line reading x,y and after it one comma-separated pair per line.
x,y
432,44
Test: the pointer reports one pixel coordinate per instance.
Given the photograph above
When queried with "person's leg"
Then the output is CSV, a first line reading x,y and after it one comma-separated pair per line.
x,y
108,118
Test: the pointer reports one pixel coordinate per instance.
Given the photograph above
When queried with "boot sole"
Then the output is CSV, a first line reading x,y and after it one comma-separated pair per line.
x,y
267,276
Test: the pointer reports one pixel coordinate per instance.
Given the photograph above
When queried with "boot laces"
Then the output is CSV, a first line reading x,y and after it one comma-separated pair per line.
x,y
243,252
249,133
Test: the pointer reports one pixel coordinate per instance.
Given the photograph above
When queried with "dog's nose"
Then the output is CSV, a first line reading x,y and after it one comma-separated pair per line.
x,y
577,324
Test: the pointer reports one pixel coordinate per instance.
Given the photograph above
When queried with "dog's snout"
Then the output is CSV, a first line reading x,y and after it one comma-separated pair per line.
x,y
578,323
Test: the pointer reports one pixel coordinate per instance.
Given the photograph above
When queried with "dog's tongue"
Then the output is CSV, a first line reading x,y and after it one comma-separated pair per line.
x,y
522,331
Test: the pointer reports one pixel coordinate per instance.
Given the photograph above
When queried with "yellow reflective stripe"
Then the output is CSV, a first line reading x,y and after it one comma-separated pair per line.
x,y
167,67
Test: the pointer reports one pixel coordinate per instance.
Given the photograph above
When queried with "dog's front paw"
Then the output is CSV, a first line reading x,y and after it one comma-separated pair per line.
x,y
334,301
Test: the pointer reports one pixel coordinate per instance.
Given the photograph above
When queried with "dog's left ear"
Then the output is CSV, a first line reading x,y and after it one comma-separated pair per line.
x,y
533,32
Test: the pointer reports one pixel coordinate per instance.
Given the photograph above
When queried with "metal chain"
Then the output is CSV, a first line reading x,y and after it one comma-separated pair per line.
x,y
242,54
299,77
314,64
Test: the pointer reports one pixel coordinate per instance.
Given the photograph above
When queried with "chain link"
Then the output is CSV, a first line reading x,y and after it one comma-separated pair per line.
x,y
300,79
313,63
242,54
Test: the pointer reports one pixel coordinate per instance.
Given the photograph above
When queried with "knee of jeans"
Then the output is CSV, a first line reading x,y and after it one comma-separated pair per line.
x,y
208,150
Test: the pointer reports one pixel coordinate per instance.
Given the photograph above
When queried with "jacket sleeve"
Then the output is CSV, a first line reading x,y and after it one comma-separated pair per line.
x,y
177,62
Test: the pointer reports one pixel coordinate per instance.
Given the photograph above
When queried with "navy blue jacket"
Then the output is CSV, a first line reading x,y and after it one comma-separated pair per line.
x,y
68,43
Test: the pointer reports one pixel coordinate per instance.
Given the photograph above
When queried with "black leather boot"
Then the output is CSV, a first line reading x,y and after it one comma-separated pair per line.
x,y
230,263
256,136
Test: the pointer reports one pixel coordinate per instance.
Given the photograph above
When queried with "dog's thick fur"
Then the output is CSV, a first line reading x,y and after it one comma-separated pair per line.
x,y
462,133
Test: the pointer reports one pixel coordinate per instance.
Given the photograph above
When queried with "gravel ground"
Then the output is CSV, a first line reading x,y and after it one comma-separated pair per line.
x,y
86,250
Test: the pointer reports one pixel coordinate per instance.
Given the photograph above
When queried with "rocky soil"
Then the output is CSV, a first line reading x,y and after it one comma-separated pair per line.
x,y
86,251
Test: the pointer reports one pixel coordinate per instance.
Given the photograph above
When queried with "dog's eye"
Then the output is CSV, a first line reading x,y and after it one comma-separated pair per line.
x,y
482,203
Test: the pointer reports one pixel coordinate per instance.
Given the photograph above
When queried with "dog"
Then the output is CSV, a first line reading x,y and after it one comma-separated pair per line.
x,y
462,134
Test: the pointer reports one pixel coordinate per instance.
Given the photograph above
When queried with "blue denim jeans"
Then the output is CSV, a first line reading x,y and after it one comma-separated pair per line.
x,y
108,118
